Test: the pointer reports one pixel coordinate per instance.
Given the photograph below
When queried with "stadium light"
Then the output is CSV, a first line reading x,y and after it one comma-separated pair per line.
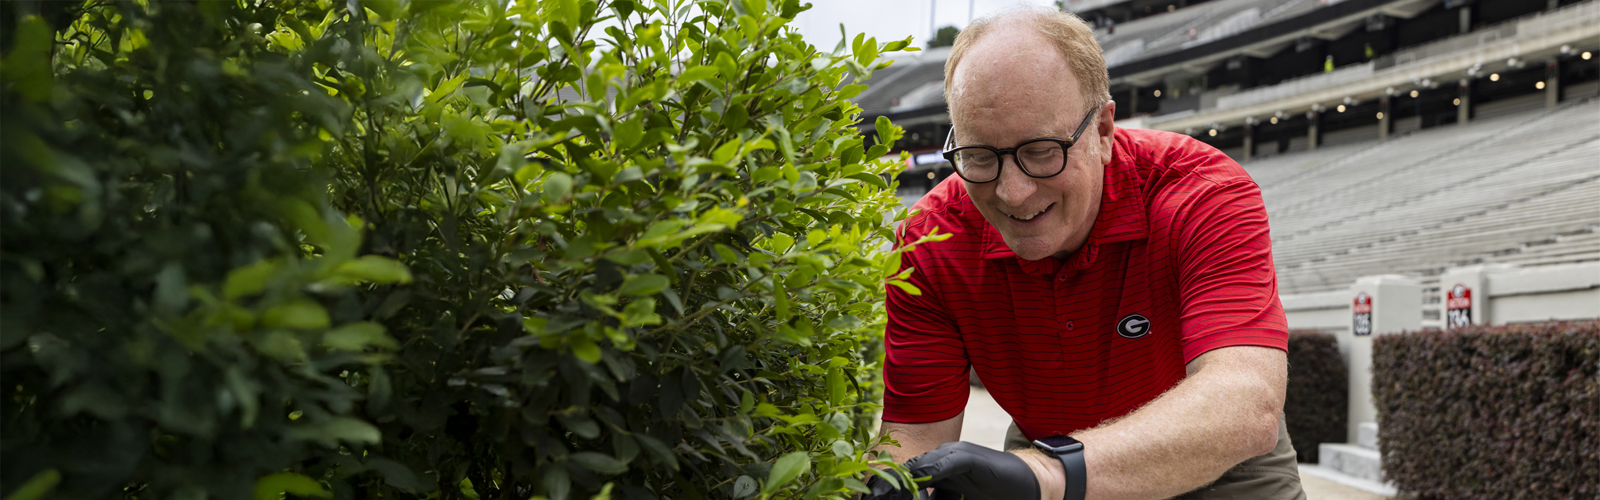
x,y
1413,93
1213,132
1274,120
930,176
1341,108
1586,55
1456,102
1158,92
1494,77
1539,85
1380,115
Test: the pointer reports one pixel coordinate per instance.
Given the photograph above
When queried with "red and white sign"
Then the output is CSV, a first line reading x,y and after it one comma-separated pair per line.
x,y
1458,306
1362,310
1363,303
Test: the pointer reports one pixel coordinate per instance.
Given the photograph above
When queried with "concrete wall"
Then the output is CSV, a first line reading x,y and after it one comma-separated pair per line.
x,y
1544,293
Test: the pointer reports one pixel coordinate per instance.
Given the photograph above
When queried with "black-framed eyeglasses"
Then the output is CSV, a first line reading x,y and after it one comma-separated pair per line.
x,y
1038,158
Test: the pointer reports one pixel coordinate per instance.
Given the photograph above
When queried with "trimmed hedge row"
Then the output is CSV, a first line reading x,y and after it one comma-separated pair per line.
x,y
1318,393
1491,412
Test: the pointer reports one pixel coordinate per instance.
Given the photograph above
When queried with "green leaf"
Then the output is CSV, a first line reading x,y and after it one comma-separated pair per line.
x,y
28,65
658,450
640,313
726,65
557,483
627,134
274,486
788,467
357,336
780,300
380,270
249,280
697,73
302,314
780,243
838,390
599,462
337,429
744,487
37,487
584,347
604,494
557,186
906,287
886,130
645,284
467,491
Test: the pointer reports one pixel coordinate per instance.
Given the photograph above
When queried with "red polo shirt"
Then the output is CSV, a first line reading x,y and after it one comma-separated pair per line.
x,y
1179,256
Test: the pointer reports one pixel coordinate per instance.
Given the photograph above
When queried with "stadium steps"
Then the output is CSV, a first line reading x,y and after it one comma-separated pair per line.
x,y
1518,189
1359,465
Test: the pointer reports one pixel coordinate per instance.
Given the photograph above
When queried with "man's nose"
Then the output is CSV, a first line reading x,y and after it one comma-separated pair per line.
x,y
1013,187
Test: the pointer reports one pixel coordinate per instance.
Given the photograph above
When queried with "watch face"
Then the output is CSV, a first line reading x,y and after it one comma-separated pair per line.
x,y
1057,441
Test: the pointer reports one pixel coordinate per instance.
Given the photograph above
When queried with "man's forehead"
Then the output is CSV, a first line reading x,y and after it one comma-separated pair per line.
x,y
1007,93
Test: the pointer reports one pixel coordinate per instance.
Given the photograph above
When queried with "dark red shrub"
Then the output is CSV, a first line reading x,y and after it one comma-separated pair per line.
x,y
1491,412
1318,393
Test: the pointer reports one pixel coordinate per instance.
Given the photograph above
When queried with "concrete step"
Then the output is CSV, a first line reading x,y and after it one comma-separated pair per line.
x,y
1353,460
1320,491
1367,435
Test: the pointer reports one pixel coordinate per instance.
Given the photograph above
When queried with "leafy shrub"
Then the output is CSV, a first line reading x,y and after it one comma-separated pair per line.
x,y
1318,393
1491,412
164,330
390,248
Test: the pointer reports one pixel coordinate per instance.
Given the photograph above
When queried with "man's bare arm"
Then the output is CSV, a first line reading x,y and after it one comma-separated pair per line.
x,y
1224,412
916,439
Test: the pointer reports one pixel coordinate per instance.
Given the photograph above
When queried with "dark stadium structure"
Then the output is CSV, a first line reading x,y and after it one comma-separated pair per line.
x,y
1388,136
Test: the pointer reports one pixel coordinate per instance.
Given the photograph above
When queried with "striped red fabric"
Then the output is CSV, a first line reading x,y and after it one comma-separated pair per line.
x,y
1181,240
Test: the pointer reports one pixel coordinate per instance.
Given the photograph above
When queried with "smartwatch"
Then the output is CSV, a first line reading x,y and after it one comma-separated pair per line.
x,y
1070,451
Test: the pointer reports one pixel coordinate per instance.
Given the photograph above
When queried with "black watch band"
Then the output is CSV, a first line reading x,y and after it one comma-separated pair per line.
x,y
1070,452
1077,474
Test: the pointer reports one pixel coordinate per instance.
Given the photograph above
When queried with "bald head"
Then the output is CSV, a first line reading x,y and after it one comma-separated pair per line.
x,y
1031,33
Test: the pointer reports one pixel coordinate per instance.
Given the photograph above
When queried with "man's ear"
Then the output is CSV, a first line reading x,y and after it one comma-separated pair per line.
x,y
1105,126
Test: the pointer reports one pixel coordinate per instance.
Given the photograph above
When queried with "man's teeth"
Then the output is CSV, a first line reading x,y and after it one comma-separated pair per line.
x,y
1030,217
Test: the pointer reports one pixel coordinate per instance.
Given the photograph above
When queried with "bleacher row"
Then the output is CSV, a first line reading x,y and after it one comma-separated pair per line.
x,y
1156,35
1521,189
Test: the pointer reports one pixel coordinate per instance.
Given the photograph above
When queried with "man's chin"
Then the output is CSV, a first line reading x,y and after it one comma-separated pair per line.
x,y
1030,248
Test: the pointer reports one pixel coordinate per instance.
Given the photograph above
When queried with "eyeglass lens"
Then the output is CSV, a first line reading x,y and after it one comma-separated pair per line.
x,y
1041,158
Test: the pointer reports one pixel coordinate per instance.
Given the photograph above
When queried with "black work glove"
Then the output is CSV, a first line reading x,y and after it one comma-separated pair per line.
x,y
973,472
882,489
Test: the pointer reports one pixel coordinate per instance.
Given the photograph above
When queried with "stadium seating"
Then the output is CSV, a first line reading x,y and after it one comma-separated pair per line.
x,y
1191,26
1521,188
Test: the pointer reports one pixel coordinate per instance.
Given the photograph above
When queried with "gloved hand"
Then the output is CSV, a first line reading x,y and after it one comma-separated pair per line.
x,y
884,490
974,472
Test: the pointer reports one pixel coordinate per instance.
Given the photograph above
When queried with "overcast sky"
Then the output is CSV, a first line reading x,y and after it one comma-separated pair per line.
x,y
890,19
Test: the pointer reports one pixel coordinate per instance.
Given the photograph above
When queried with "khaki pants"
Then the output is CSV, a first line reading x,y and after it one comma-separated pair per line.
x,y
1271,476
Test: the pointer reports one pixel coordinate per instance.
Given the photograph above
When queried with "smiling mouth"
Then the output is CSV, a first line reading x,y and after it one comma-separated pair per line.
x,y
1032,216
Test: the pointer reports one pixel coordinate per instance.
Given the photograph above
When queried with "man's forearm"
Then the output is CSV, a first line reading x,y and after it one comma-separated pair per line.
x,y
916,439
1184,439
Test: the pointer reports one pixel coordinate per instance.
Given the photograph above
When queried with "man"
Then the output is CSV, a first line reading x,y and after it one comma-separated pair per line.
x,y
1112,288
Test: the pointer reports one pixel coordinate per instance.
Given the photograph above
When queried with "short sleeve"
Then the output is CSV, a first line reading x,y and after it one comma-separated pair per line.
x,y
925,364
1226,280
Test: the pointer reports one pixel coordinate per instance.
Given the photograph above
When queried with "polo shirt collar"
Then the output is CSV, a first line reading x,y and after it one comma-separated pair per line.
x,y
1122,218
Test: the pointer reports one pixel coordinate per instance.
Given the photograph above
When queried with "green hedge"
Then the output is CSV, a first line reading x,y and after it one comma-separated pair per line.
x,y
1316,401
1491,412
392,249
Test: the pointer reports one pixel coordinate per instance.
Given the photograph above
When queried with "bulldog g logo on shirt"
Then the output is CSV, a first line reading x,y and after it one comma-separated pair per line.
x,y
1133,326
